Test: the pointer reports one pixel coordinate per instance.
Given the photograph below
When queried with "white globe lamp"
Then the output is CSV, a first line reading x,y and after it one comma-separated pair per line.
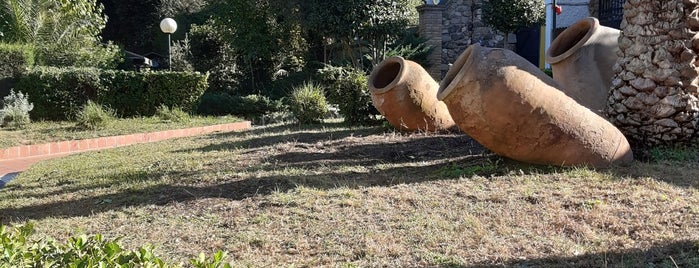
x,y
168,26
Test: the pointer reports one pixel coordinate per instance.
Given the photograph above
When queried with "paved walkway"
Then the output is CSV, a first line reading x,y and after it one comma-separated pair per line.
x,y
16,159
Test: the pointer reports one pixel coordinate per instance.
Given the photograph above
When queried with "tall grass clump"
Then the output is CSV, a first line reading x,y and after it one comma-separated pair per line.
x,y
94,116
15,110
174,114
308,103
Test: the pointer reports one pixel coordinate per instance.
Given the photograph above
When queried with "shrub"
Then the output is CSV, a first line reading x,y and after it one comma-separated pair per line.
x,y
15,111
215,103
250,106
347,88
59,93
82,251
308,103
176,114
15,59
94,116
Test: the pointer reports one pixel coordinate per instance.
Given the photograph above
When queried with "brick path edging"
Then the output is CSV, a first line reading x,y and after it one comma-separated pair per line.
x,y
76,146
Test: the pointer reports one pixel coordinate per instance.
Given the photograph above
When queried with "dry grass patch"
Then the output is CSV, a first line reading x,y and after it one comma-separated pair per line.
x,y
333,196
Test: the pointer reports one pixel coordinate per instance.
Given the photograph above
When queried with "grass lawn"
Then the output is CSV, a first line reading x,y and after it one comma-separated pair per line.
x,y
333,196
47,131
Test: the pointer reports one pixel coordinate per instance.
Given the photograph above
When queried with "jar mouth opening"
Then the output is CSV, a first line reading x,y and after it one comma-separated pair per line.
x,y
386,75
571,40
454,75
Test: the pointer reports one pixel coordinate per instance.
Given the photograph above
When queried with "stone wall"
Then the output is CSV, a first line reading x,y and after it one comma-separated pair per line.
x,y
462,26
654,95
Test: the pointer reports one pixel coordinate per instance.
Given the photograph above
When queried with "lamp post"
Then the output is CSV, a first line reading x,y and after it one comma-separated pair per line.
x,y
168,26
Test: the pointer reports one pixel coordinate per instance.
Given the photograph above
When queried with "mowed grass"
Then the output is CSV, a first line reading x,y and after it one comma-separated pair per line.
x,y
334,196
48,131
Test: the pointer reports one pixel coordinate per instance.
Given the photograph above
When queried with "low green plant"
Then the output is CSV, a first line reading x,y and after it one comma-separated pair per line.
x,y
15,110
250,106
18,250
94,116
308,103
347,88
174,114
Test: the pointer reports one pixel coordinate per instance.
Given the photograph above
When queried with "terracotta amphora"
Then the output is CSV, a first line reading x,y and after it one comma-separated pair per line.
x,y
514,109
406,95
582,59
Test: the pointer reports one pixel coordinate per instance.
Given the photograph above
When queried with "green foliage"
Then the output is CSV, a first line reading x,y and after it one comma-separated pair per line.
x,y
175,114
264,38
347,88
65,32
18,250
59,93
357,28
94,116
673,154
249,106
15,59
509,16
308,103
15,110
412,47
217,261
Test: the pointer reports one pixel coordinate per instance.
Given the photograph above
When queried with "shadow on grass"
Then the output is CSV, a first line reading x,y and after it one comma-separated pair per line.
x,y
673,254
419,159
261,137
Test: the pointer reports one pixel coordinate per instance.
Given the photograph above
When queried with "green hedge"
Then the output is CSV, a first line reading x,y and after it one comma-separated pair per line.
x,y
59,93
15,59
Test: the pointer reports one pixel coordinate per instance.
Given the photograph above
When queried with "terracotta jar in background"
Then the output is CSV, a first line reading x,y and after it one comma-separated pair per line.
x,y
582,59
514,109
406,95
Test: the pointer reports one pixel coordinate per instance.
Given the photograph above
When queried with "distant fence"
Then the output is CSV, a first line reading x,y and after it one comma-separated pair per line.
x,y
611,12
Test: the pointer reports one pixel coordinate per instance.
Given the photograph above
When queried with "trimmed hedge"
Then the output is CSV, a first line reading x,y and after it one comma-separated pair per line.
x,y
15,59
59,93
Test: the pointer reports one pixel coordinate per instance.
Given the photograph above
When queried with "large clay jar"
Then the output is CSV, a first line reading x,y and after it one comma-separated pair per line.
x,y
406,95
582,59
514,109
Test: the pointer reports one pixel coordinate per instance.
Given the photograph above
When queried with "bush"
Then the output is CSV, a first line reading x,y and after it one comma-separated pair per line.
x,y
60,93
347,88
94,116
250,106
15,59
308,103
176,114
82,251
15,111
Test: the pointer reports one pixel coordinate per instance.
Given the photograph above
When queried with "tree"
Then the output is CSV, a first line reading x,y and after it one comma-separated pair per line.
x,y
357,27
508,16
63,31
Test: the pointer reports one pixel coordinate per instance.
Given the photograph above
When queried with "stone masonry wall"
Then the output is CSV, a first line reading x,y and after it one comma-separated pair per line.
x,y
654,95
462,26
